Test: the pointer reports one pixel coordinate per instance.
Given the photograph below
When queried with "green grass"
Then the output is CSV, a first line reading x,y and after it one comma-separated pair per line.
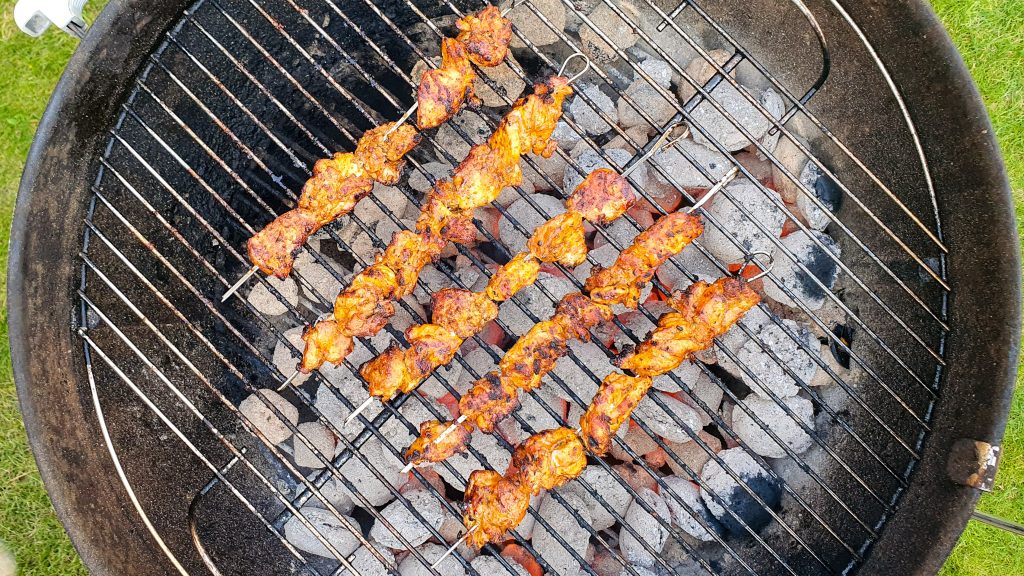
x,y
990,34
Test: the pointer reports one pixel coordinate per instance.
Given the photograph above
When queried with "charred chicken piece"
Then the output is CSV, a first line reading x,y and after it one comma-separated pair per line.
x,y
516,274
480,177
424,449
622,281
615,400
486,35
443,90
489,401
381,155
494,505
400,371
273,248
602,197
532,120
324,343
560,239
364,307
704,312
406,255
534,354
549,459
464,312
578,314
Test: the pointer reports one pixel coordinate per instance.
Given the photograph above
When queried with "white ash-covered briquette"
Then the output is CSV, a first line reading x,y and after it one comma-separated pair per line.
x,y
737,498
708,391
589,355
700,70
566,136
412,566
419,182
258,411
688,509
393,199
562,521
587,113
638,570
533,410
270,304
603,255
636,439
334,491
636,323
327,526
399,323
491,566
510,85
676,422
821,263
737,235
687,372
465,130
480,361
529,25
619,32
658,70
366,563
450,373
675,274
789,155
724,129
494,457
402,520
825,190
553,171
528,219
690,165
536,301
769,374
321,438
590,160
288,354
615,496
647,528
319,283
774,103
778,421
376,492
693,453
657,103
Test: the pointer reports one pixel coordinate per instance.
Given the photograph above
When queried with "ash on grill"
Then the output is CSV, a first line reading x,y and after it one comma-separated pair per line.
x,y
755,380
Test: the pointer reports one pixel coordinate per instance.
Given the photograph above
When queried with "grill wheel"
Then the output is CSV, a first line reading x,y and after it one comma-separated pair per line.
x,y
180,130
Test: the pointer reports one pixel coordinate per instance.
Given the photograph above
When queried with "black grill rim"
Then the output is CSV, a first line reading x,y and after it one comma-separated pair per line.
x,y
984,264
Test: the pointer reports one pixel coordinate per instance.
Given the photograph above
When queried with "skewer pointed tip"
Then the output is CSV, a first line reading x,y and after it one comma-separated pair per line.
x,y
288,380
234,287
366,403
408,468
452,548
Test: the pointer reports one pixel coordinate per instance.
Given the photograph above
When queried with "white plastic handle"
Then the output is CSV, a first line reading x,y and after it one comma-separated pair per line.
x,y
35,16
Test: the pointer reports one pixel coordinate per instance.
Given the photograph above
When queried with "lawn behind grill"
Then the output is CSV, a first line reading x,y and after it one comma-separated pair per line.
x,y
990,33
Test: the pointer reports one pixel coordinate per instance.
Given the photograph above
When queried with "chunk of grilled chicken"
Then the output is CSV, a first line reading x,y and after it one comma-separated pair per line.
x,y
615,400
703,312
516,274
486,35
622,282
400,371
494,505
324,342
444,90
480,177
424,449
381,156
364,307
561,239
548,459
464,312
488,401
532,120
603,196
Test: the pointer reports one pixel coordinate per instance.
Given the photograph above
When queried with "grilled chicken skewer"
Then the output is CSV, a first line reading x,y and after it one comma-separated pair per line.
x,y
365,306
495,396
458,314
496,504
340,182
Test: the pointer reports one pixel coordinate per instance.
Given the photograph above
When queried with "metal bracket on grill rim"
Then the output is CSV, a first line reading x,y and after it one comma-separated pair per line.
x,y
973,463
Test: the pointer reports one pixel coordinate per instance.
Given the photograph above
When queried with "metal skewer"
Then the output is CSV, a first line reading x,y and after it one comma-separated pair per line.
x,y
234,287
452,548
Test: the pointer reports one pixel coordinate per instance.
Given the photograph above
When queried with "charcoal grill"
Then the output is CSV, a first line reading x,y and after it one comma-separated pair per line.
x,y
180,128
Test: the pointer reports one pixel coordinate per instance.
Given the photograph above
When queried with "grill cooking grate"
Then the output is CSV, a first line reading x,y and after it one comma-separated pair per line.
x,y
220,133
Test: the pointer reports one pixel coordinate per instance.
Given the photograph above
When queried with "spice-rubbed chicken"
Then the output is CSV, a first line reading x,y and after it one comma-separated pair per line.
x,y
703,312
427,448
496,504
339,183
518,273
622,282
364,307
